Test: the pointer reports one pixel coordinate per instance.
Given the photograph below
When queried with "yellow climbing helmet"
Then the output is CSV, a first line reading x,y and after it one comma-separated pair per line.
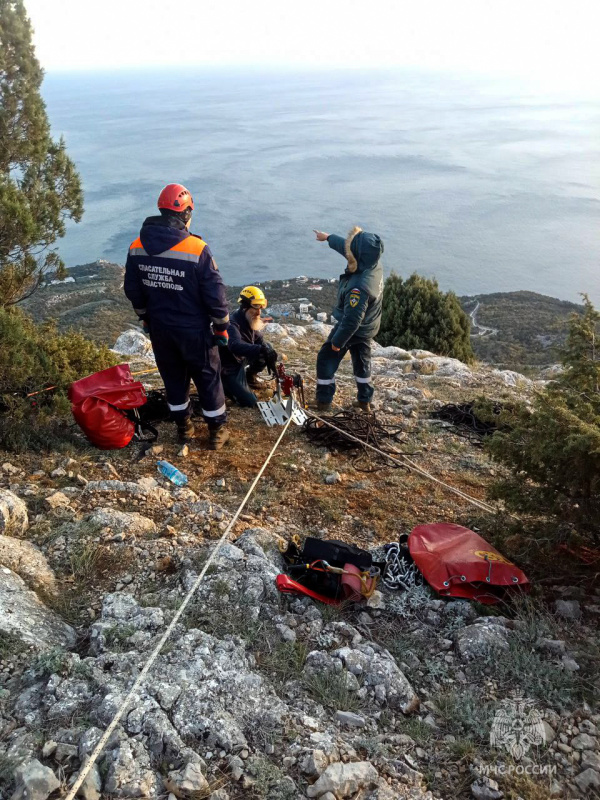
x,y
252,296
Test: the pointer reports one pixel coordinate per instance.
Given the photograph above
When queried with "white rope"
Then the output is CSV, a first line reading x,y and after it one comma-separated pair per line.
x,y
152,658
406,462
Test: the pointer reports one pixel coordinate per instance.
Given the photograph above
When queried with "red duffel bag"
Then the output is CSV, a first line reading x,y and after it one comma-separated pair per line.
x,y
99,402
457,562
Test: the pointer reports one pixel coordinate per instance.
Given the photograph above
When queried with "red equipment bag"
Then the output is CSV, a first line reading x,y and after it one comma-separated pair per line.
x,y
457,562
99,402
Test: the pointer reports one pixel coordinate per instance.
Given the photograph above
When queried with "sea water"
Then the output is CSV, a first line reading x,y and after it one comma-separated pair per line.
x,y
489,186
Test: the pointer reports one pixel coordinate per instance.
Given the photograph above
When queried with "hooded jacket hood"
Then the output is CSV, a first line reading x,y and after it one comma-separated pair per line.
x,y
162,233
363,250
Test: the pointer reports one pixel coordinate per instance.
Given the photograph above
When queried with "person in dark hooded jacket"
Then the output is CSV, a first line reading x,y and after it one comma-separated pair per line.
x,y
173,283
357,313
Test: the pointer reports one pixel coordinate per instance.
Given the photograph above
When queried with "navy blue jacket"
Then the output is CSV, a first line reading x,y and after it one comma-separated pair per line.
x,y
171,277
244,343
360,290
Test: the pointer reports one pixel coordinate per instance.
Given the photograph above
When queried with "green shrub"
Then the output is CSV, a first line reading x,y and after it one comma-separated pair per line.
x,y
39,185
417,315
553,448
32,359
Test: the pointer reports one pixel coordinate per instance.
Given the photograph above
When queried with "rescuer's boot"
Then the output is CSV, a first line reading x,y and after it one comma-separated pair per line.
x,y
218,435
185,430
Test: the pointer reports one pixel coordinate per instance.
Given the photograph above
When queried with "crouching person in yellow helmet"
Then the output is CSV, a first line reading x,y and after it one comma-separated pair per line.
x,y
247,353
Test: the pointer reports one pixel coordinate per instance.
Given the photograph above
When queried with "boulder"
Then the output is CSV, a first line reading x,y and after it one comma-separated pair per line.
x,y
296,330
510,378
486,789
396,353
344,780
23,614
130,523
568,609
34,781
133,343
120,610
583,742
187,782
91,788
28,562
587,781
274,329
129,773
56,500
350,720
477,641
321,328
13,514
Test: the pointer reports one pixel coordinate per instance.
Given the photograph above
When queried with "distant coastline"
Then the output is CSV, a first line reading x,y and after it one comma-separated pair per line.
x,y
529,328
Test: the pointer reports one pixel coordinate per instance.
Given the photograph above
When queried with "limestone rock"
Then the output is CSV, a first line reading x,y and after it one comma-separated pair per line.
x,y
396,353
28,562
34,781
130,523
22,613
91,788
350,720
275,329
56,500
568,609
129,771
133,343
344,780
587,780
476,641
510,378
486,789
13,514
315,763
187,782
321,328
583,742
590,759
120,610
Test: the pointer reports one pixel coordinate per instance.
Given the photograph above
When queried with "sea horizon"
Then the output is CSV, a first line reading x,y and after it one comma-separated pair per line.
x,y
481,183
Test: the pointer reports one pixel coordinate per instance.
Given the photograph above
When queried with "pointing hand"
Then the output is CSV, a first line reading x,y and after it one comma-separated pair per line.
x,y
321,237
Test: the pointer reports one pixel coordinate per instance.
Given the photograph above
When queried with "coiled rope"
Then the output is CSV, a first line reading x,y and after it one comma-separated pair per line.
x,y
85,770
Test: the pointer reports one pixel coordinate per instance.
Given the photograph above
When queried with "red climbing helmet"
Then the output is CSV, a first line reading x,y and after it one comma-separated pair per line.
x,y
175,197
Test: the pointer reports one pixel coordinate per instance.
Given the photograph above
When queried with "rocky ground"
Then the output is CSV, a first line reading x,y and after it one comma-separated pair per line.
x,y
259,695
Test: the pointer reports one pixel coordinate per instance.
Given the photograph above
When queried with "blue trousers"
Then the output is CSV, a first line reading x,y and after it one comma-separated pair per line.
x,y
183,355
235,385
328,361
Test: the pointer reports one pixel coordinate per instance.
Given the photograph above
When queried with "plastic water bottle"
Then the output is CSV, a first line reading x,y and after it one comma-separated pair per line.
x,y
172,473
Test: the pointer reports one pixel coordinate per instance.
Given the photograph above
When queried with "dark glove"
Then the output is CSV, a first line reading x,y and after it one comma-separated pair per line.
x,y
145,326
270,357
221,338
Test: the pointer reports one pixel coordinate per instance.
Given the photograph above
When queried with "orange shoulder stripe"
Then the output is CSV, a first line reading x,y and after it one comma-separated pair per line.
x,y
136,243
191,244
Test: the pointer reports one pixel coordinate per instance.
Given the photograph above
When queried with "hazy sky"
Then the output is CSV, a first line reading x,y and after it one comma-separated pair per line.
x,y
555,41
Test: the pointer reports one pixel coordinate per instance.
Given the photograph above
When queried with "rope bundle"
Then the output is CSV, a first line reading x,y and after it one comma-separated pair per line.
x,y
363,427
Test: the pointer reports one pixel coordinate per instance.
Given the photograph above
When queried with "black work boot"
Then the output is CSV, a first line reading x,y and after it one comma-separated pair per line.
x,y
218,436
363,405
185,430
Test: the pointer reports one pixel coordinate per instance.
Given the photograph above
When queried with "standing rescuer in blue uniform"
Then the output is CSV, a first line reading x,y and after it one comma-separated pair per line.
x,y
173,283
358,315
247,353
